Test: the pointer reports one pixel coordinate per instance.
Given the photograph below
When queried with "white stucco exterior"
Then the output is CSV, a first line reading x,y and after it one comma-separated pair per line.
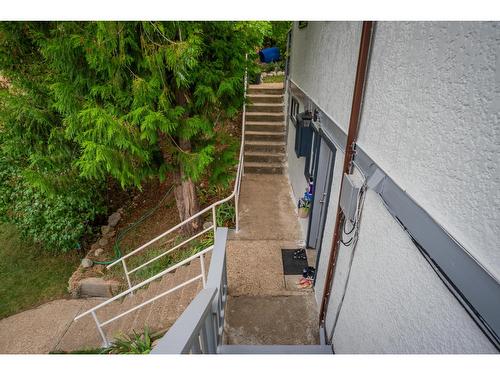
x,y
430,120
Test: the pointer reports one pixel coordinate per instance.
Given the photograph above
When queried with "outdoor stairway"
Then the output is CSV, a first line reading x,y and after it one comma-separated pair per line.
x,y
265,129
156,316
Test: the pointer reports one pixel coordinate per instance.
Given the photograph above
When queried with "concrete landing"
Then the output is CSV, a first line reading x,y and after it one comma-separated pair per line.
x,y
267,211
278,320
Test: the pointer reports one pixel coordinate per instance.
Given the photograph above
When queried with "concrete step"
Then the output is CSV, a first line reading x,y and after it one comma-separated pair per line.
x,y
277,127
191,290
265,107
155,320
264,89
263,168
264,157
264,146
265,98
264,136
171,308
265,117
275,349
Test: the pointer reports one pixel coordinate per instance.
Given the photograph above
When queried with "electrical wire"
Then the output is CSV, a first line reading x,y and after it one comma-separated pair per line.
x,y
353,241
353,227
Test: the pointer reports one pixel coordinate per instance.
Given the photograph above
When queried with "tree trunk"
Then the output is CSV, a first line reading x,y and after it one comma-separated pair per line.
x,y
185,190
186,198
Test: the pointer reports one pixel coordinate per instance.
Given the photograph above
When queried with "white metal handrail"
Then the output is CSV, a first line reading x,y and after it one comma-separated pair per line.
x,y
200,327
235,194
201,276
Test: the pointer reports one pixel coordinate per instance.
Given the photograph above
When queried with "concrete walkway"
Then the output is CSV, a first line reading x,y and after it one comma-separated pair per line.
x,y
51,326
40,330
263,308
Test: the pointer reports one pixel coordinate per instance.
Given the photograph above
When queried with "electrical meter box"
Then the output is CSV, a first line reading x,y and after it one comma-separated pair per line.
x,y
303,135
349,197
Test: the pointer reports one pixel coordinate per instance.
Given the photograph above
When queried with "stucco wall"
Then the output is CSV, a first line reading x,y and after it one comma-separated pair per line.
x,y
323,64
395,303
430,120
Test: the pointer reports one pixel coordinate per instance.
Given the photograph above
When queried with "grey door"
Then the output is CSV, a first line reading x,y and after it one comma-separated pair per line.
x,y
323,180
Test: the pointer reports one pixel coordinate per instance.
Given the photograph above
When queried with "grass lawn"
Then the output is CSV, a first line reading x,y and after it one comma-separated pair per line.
x,y
28,275
273,79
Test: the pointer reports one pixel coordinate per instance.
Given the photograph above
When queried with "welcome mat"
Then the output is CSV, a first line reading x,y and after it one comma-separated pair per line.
x,y
293,266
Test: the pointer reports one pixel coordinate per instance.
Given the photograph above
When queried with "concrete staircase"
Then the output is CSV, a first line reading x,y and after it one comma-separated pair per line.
x,y
157,316
265,129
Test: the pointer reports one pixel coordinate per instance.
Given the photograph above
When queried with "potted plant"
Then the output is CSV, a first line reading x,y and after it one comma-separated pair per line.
x,y
304,207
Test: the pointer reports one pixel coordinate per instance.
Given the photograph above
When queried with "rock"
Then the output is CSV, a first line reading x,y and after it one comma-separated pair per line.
x,y
207,224
98,252
73,284
110,234
105,229
87,263
99,268
98,287
103,242
114,219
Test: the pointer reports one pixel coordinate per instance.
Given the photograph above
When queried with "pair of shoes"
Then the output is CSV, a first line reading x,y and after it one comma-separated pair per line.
x,y
300,254
309,272
304,280
306,284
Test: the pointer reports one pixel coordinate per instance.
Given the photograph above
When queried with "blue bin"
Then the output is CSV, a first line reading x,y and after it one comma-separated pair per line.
x,y
268,55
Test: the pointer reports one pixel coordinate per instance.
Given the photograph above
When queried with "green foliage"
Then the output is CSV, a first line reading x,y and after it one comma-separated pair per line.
x,y
87,101
278,35
129,89
136,343
222,171
40,187
225,214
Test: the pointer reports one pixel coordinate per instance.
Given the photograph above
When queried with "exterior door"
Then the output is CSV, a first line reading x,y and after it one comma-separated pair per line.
x,y
323,181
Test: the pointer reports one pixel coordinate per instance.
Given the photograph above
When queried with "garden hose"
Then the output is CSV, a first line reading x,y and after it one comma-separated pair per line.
x,y
122,233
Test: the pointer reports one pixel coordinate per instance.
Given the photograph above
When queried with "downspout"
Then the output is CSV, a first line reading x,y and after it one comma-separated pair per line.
x,y
352,134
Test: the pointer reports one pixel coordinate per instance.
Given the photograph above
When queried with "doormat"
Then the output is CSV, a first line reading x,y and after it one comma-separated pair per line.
x,y
293,266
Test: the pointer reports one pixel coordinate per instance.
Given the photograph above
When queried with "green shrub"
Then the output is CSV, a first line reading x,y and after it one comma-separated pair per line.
x,y
56,220
137,343
225,214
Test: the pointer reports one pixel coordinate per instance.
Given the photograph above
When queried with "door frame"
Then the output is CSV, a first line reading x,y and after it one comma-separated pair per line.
x,y
323,136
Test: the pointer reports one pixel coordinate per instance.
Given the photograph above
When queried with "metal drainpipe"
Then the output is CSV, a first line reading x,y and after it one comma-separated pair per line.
x,y
352,134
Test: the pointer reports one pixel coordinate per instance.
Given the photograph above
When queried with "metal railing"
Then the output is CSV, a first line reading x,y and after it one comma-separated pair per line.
x,y
200,328
213,207
201,276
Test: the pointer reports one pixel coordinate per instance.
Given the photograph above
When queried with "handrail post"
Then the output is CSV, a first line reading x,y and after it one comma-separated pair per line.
x,y
202,264
236,204
214,220
126,273
104,339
